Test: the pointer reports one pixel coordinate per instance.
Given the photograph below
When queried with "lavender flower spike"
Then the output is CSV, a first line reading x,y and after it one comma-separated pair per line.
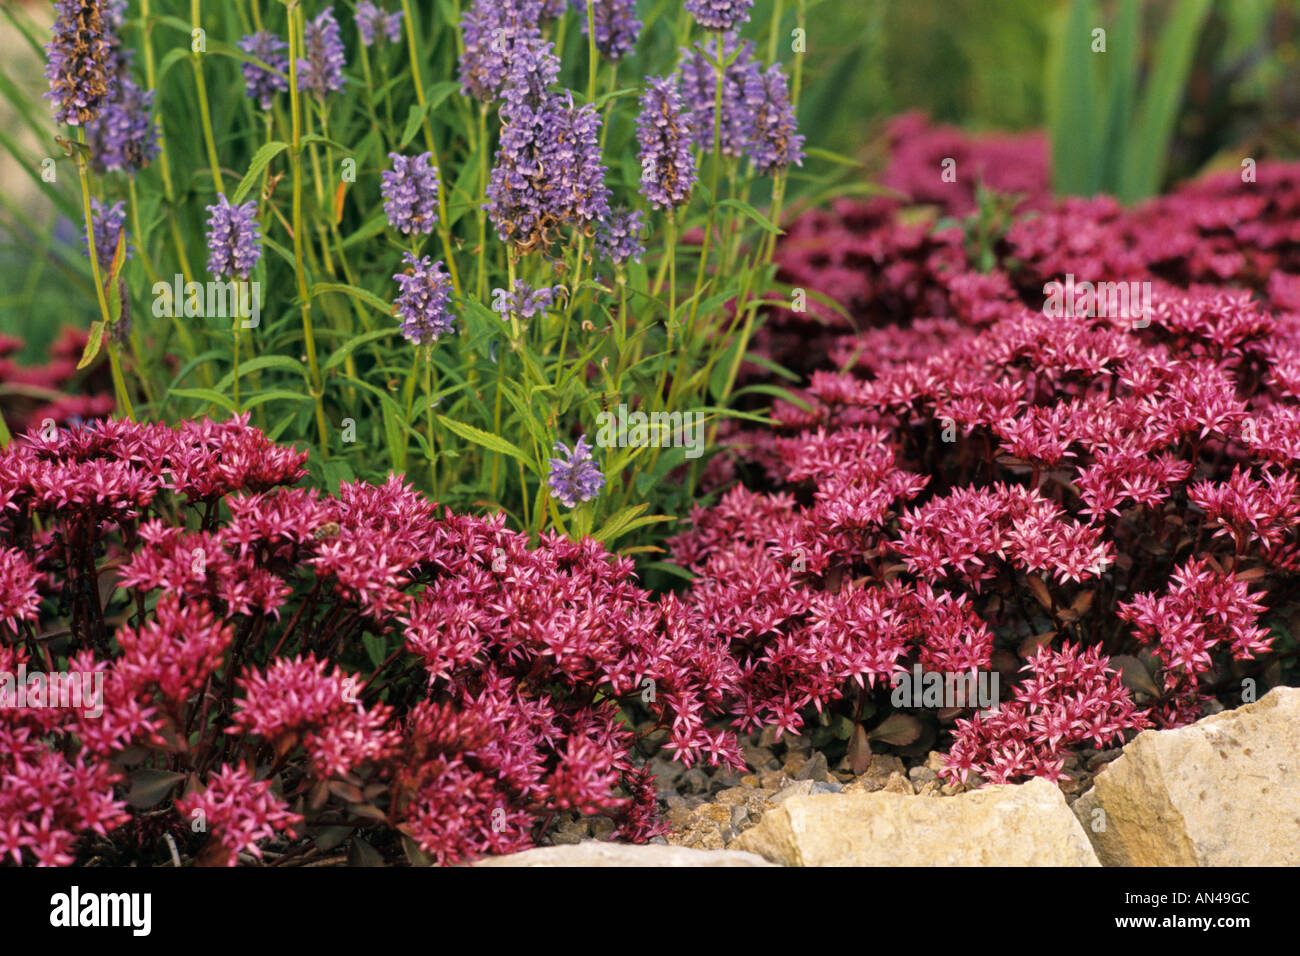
x,y
371,21
123,136
107,223
664,133
321,69
574,476
617,27
262,85
424,304
524,301
81,61
775,145
410,191
495,32
618,238
234,241
742,94
719,14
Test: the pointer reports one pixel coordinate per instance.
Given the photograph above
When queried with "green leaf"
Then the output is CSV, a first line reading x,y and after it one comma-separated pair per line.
x,y
1121,65
211,396
318,138
1147,146
816,152
261,159
669,568
375,647
172,57
369,298
259,363
150,787
776,391
340,355
92,344
764,362
722,369
617,523
1072,95
897,730
433,98
394,435
752,213
367,230
274,395
487,440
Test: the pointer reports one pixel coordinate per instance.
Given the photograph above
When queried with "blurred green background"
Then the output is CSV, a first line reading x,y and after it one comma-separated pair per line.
x,y
977,64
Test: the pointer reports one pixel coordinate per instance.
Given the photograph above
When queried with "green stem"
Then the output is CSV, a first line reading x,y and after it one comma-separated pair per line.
x,y
295,164
443,234
713,184
119,384
592,62
480,284
204,112
670,253
428,419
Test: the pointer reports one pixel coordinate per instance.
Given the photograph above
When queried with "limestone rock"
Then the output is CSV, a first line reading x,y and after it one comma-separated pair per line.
x,y
1224,791
592,853
1010,825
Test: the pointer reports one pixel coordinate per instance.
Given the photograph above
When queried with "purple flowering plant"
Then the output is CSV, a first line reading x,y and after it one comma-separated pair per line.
x,y
371,179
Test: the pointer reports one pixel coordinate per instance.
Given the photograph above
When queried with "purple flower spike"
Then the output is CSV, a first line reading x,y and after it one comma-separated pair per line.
x,y
81,60
424,304
495,32
617,27
619,237
123,136
107,223
524,301
719,14
742,95
262,85
372,21
664,133
574,476
234,240
321,69
410,191
548,171
775,145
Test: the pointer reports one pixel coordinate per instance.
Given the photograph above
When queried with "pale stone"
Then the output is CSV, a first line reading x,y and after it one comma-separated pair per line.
x,y
1224,791
592,853
1009,825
